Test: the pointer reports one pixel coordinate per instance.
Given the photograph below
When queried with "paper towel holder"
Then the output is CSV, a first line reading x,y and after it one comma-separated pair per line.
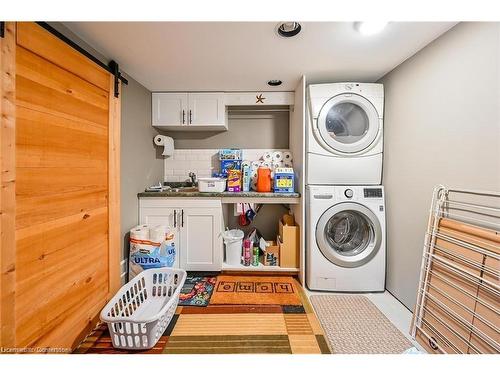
x,y
166,142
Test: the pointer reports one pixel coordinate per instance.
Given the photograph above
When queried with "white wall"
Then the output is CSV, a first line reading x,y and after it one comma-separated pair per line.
x,y
442,126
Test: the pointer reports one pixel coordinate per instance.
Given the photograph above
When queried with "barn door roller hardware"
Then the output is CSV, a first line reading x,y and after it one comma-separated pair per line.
x,y
2,29
112,67
115,70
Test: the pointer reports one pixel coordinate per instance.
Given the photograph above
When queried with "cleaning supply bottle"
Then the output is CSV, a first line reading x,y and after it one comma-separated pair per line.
x,y
255,256
247,250
263,180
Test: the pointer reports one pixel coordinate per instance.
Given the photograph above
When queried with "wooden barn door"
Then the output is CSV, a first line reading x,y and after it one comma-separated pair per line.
x,y
66,193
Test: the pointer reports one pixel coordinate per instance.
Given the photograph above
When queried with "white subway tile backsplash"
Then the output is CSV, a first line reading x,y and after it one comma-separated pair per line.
x,y
202,162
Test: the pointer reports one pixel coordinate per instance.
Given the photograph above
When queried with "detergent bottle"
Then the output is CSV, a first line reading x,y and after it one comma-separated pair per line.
x,y
263,180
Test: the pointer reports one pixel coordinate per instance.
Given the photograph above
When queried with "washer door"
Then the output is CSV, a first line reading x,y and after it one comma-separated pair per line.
x,y
348,234
348,123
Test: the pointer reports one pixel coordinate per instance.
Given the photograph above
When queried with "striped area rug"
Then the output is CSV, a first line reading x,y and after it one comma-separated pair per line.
x,y
231,329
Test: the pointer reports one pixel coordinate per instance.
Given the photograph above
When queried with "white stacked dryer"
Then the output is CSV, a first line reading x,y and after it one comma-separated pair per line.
x,y
345,218
345,134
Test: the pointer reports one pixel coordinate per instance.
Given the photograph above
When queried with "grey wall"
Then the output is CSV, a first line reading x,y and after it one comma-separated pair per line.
x,y
442,126
141,164
245,130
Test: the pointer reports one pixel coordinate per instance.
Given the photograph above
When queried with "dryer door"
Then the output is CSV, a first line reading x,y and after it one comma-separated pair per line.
x,y
348,234
348,123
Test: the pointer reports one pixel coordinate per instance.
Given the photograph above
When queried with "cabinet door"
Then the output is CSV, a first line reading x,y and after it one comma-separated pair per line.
x,y
169,109
168,217
207,109
200,239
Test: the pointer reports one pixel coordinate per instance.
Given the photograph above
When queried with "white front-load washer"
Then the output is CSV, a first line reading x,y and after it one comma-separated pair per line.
x,y
344,134
345,249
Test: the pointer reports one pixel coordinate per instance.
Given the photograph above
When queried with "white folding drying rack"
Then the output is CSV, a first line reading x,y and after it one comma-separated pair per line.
x,y
480,209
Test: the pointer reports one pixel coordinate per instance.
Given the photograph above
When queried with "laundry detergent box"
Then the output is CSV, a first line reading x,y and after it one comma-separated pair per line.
x,y
234,180
151,247
230,154
228,164
284,180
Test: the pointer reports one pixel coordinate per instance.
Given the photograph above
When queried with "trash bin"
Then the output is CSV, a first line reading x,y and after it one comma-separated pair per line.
x,y
233,240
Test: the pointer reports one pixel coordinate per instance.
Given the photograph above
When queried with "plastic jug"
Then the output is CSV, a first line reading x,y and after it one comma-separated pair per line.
x,y
263,180
233,240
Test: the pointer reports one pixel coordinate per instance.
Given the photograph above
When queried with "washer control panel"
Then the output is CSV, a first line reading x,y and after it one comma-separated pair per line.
x,y
348,193
372,192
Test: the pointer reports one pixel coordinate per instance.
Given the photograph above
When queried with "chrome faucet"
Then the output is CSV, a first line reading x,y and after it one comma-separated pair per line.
x,y
192,176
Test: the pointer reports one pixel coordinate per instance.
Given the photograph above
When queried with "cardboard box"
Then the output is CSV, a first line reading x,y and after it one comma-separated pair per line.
x,y
284,180
289,245
227,165
271,254
230,153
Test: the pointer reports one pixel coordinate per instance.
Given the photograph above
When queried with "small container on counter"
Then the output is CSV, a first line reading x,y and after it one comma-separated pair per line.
x,y
227,164
284,179
264,179
234,180
230,153
246,177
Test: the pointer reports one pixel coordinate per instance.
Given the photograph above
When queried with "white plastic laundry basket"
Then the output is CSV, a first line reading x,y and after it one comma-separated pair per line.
x,y
141,310
233,239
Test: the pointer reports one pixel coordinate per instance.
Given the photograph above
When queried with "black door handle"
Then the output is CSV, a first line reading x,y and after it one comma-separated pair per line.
x,y
182,218
175,218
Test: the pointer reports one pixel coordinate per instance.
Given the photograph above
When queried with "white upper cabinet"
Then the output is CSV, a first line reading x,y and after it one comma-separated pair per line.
x,y
207,109
170,109
189,111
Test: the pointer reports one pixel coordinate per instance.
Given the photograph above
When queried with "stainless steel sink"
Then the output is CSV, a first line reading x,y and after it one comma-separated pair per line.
x,y
179,187
186,189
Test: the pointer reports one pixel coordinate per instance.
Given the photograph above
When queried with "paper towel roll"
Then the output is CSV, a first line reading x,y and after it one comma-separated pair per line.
x,y
140,232
288,164
267,164
277,156
278,164
268,156
287,156
166,142
158,233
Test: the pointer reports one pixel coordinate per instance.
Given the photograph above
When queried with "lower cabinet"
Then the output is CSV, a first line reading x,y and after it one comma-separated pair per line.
x,y
197,225
201,241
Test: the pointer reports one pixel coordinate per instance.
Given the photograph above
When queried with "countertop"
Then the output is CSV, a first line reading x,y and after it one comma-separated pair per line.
x,y
225,194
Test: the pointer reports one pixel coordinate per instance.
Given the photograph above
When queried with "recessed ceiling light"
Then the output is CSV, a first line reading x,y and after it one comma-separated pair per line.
x,y
288,29
274,82
370,27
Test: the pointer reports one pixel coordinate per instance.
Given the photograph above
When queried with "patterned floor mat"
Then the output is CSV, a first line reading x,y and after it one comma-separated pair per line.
x,y
197,291
230,329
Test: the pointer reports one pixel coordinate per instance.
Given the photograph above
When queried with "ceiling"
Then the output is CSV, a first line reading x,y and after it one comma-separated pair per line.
x,y
211,56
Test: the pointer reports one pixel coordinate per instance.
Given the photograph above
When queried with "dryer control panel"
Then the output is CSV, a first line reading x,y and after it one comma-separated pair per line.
x,y
372,192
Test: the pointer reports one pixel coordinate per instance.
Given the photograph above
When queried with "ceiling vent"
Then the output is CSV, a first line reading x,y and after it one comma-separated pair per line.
x,y
288,29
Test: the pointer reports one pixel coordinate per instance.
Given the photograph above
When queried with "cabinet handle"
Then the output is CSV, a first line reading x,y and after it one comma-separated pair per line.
x,y
183,116
175,218
190,116
182,218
